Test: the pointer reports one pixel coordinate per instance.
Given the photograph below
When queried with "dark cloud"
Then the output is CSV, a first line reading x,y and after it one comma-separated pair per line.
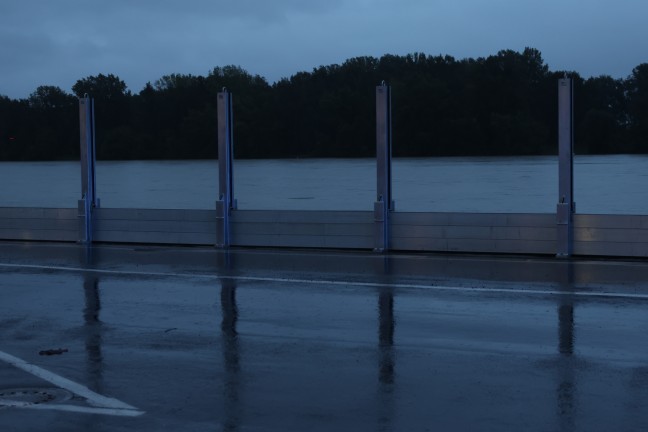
x,y
56,42
262,10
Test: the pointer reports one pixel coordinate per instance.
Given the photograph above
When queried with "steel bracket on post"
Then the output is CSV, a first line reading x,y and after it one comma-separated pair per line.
x,y
384,203
89,200
226,202
566,207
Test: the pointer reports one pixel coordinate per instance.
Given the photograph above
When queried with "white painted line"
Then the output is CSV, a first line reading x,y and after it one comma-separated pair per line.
x,y
87,410
603,294
93,398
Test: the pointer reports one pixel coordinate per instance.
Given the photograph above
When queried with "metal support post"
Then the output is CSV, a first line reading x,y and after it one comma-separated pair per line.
x,y
226,202
566,206
384,203
89,200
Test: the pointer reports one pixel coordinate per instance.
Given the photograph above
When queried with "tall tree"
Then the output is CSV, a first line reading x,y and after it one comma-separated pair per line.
x,y
501,104
637,93
174,110
53,111
51,97
102,87
112,112
252,109
9,137
602,120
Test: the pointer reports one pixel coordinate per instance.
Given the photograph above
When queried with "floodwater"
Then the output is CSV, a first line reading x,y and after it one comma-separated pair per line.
x,y
603,184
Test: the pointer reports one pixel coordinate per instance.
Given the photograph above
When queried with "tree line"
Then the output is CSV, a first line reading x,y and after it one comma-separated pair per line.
x,y
504,104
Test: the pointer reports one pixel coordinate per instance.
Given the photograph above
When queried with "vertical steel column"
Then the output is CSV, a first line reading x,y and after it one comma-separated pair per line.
x,y
384,203
566,206
226,202
89,200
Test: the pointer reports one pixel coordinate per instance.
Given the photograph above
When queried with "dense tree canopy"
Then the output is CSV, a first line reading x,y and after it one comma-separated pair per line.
x,y
637,99
504,104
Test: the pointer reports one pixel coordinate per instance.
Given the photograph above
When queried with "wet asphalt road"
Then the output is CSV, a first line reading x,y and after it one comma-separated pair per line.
x,y
198,340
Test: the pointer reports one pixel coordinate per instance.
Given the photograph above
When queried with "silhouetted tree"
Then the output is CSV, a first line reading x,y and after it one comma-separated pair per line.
x,y
55,120
637,93
101,87
255,132
114,132
51,97
503,104
602,125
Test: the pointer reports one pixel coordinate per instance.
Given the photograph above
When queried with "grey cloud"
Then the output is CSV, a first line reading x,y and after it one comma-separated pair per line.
x,y
59,41
33,12
262,10
23,57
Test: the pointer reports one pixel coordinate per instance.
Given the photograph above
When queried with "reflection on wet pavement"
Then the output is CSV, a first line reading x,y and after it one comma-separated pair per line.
x,y
385,356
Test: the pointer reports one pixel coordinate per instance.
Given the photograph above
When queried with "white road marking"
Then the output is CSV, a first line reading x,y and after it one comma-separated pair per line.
x,y
604,294
105,404
87,410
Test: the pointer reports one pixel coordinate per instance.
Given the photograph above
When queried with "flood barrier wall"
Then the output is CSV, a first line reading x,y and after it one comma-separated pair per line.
x,y
508,233
564,233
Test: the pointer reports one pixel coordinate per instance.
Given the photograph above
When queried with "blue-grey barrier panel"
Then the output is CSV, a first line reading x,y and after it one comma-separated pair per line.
x,y
318,229
39,224
475,232
190,227
594,235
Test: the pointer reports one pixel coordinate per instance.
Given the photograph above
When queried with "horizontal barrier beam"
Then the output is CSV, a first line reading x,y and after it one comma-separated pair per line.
x,y
39,224
510,233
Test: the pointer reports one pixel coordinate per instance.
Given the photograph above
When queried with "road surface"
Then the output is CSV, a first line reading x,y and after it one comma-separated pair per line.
x,y
123,338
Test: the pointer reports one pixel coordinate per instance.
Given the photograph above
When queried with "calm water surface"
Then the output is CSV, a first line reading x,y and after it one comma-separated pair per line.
x,y
604,184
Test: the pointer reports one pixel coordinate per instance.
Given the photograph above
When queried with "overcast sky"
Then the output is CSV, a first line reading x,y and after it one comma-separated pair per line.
x,y
57,42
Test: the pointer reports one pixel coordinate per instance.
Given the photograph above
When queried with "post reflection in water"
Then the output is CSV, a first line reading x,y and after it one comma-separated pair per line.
x,y
386,336
92,329
386,357
231,355
92,324
566,390
386,325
